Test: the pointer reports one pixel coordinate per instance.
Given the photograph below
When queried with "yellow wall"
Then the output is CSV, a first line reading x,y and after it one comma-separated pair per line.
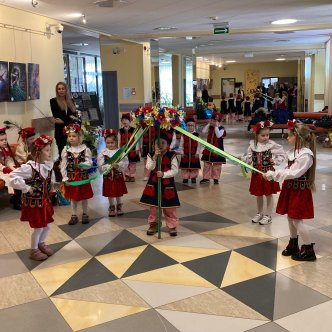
x,y
25,47
238,71
131,65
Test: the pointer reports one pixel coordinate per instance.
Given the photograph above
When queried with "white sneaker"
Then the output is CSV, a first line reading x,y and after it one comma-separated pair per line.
x,y
266,220
257,218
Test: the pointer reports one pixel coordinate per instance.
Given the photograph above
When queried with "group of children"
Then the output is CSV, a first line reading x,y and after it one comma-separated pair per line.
x,y
35,177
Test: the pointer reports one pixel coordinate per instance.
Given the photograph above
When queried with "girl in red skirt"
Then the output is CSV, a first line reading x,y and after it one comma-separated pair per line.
x,y
114,186
263,154
295,198
73,155
35,180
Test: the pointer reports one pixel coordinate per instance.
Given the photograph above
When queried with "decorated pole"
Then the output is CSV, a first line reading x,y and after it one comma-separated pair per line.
x,y
159,187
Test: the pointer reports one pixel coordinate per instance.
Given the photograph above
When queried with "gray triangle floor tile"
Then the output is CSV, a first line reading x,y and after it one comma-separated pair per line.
x,y
91,274
269,327
212,268
139,214
264,253
292,297
257,293
200,227
93,244
75,230
150,259
208,217
146,321
124,240
34,316
11,264
29,263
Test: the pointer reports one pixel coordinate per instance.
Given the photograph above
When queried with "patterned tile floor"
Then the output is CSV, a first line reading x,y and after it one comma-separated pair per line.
x,y
221,273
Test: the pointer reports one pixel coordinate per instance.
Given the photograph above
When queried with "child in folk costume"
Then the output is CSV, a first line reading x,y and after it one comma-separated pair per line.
x,y
35,180
238,108
212,162
147,148
295,198
114,186
224,108
23,150
169,196
72,156
124,135
190,150
263,154
257,102
7,164
231,107
246,107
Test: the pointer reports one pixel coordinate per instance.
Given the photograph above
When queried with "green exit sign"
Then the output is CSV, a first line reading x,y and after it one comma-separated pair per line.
x,y
220,30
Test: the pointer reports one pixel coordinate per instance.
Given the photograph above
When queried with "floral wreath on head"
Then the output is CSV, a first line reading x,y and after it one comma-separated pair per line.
x,y
3,130
71,128
42,141
108,132
261,125
291,125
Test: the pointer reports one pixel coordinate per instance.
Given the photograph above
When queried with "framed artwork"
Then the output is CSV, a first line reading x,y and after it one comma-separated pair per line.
x,y
227,86
33,81
4,86
18,81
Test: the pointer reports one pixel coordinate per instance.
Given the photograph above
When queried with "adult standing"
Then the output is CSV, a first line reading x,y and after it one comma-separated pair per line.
x,y
64,112
205,94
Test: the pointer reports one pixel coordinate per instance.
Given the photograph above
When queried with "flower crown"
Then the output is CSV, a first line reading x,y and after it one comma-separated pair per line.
x,y
291,125
261,125
3,130
108,132
71,128
42,141
24,133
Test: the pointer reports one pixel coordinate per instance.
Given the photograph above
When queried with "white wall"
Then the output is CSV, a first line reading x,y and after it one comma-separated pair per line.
x,y
26,47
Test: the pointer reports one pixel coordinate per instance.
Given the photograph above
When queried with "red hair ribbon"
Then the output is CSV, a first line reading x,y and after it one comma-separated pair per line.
x,y
108,132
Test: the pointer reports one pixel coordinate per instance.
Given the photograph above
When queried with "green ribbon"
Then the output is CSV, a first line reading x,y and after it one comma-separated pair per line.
x,y
217,150
118,156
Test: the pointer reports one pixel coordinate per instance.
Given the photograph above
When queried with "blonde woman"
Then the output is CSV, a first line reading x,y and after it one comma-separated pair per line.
x,y
64,112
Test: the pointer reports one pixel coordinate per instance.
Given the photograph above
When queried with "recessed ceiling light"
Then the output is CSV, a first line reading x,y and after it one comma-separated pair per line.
x,y
230,61
285,21
165,28
79,44
111,3
280,59
75,15
167,37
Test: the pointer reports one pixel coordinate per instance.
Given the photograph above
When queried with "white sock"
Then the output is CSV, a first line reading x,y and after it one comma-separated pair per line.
x,y
112,201
292,228
45,232
303,231
85,206
269,204
259,204
35,237
73,205
118,200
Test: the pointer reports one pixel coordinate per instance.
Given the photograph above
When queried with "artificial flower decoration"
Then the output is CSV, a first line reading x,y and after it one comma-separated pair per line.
x,y
108,132
291,124
3,130
262,124
24,133
42,141
71,128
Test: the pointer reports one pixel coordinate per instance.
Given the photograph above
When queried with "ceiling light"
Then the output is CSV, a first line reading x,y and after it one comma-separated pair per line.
x,y
189,37
230,61
284,21
280,59
111,3
165,28
84,19
75,15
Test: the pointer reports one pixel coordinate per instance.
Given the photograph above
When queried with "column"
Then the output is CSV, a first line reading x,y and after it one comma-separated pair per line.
x,y
328,76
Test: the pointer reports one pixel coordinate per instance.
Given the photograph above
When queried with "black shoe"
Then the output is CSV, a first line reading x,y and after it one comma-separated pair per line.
x,y
306,253
204,181
85,219
216,181
185,181
292,248
193,180
73,220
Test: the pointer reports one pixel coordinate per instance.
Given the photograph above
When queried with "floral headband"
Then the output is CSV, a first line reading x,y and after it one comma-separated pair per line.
x,y
126,116
3,130
42,141
261,125
71,128
24,133
108,132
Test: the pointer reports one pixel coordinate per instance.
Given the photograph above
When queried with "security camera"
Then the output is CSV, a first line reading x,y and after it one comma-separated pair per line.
x,y
59,28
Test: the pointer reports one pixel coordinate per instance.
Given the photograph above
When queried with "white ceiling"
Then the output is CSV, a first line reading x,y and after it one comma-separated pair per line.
x,y
249,21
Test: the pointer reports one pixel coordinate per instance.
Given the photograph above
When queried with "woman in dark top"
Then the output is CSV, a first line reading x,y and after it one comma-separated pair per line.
x,y
64,112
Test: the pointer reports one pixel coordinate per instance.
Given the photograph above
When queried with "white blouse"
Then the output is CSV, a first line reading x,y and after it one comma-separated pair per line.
x,y
303,160
76,150
151,165
123,164
219,132
17,177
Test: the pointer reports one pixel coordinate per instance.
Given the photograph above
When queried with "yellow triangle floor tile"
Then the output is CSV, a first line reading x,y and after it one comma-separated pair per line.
x,y
50,279
283,262
184,254
82,314
241,268
175,274
118,262
239,230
